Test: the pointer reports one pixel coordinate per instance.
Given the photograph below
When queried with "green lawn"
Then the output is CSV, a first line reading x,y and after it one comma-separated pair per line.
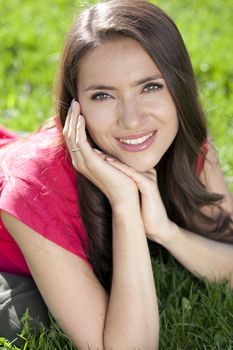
x,y
194,314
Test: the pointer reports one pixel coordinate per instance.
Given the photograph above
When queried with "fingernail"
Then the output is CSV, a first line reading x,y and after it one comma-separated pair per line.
x,y
110,159
76,105
97,150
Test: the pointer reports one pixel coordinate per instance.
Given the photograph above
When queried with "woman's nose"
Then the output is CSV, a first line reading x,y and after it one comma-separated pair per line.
x,y
130,116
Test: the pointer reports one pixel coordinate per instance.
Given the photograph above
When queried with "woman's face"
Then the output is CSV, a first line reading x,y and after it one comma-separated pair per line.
x,y
129,111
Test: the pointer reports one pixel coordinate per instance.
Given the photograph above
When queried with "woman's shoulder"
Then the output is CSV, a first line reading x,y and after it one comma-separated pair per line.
x,y
37,179
38,187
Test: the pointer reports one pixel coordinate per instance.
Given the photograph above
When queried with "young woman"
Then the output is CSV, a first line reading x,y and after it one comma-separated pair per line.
x,y
126,164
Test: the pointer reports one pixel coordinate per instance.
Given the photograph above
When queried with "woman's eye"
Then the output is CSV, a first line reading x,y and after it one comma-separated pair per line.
x,y
100,96
152,87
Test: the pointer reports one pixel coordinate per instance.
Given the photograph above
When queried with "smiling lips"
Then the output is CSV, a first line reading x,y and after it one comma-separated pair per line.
x,y
133,143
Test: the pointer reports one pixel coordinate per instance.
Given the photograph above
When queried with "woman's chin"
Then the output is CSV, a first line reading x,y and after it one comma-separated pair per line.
x,y
142,166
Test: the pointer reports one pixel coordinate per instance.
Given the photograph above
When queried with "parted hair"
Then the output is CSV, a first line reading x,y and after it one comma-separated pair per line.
x,y
182,193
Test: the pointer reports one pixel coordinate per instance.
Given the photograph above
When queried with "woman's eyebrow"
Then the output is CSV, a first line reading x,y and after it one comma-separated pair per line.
x,y
145,80
136,83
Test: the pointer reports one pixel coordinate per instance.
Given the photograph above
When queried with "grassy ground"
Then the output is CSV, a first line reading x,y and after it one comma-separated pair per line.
x,y
194,314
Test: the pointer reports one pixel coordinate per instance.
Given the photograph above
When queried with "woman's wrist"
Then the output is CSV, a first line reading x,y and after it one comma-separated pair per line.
x,y
168,235
126,208
125,205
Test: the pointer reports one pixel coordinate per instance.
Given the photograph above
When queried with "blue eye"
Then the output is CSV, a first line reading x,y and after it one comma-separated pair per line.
x,y
100,96
152,87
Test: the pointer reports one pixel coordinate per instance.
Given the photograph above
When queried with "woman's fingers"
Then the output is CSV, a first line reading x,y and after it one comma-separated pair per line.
x,y
81,136
100,154
68,118
82,154
75,111
68,129
141,179
69,133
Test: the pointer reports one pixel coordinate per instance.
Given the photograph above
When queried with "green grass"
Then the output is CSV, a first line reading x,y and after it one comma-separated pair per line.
x,y
194,314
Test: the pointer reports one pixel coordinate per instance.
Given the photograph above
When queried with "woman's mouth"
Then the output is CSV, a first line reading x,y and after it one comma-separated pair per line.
x,y
136,144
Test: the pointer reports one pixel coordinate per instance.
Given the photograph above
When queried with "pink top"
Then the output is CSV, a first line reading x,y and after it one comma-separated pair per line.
x,y
39,189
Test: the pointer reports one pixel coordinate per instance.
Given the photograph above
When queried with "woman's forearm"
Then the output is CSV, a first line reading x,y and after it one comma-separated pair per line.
x,y
132,320
201,256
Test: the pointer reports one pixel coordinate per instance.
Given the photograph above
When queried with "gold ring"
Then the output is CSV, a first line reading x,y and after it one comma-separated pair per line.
x,y
75,149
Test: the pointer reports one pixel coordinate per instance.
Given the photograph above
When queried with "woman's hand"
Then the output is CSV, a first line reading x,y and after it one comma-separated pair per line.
x,y
113,183
156,222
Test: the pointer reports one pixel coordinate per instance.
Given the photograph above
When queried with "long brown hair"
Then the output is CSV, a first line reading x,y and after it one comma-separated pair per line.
x,y
182,193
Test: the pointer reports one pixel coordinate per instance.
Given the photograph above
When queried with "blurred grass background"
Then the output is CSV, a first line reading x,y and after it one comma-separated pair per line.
x,y
194,314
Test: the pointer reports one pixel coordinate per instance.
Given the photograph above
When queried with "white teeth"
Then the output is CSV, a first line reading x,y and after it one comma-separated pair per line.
x,y
137,141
